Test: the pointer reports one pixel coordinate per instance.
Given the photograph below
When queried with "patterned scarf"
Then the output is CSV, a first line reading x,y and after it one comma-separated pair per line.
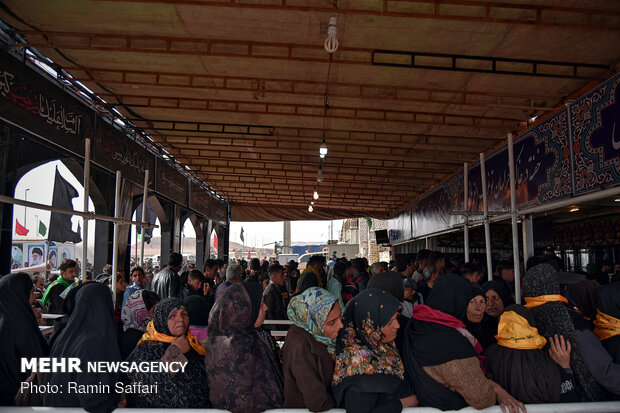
x,y
134,314
361,351
309,311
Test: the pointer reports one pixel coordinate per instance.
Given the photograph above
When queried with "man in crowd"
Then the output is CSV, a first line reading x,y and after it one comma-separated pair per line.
x,y
211,268
472,271
405,265
424,259
378,268
275,295
52,298
166,282
233,276
314,274
196,285
506,276
254,270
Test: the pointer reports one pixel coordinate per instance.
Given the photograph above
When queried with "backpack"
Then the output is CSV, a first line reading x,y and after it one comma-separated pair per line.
x,y
350,289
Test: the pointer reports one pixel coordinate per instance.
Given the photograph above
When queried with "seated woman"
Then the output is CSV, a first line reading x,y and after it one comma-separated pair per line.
x,y
19,333
442,358
137,313
89,335
475,313
519,364
167,339
369,374
607,323
498,297
244,374
309,350
594,369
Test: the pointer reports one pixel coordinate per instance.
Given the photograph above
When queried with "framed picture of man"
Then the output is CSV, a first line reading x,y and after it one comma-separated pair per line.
x,y
36,254
52,258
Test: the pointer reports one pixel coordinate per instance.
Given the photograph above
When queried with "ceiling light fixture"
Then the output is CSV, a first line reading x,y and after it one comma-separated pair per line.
x,y
319,176
331,43
617,199
310,209
573,209
316,194
323,149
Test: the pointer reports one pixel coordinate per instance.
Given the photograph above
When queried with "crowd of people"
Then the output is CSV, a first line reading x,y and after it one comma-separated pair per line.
x,y
422,330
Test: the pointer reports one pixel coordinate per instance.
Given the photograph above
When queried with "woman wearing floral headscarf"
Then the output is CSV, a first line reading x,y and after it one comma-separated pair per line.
x,y
369,374
309,350
168,339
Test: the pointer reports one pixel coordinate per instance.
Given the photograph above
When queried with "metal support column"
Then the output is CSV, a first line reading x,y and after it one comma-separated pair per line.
x,y
85,209
513,213
117,212
144,200
487,224
527,226
466,209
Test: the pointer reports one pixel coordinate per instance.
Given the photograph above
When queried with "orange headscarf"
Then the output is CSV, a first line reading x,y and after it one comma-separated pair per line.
x,y
606,326
514,331
533,302
154,335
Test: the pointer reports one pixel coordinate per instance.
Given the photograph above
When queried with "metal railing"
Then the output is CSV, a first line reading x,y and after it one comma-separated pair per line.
x,y
598,407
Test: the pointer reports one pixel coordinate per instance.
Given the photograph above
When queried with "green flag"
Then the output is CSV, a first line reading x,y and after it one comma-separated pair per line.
x,y
42,229
369,222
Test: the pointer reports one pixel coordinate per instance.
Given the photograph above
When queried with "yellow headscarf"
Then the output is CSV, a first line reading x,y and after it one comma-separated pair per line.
x,y
154,335
515,332
533,302
606,326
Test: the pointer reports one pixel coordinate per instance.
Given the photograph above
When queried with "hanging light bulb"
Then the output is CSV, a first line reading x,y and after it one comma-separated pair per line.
x,y
319,176
331,43
323,149
316,194
311,202
310,209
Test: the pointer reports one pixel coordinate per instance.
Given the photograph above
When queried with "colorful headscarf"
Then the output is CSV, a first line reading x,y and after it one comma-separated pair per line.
x,y
363,360
309,311
135,314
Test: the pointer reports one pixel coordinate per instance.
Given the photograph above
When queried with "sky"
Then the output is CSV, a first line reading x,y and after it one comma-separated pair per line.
x,y
38,185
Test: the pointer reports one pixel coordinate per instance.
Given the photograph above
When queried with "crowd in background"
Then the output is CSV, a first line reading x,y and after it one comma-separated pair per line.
x,y
421,330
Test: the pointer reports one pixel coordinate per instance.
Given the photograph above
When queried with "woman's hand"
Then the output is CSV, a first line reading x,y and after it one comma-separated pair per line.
x,y
507,403
560,351
182,343
409,401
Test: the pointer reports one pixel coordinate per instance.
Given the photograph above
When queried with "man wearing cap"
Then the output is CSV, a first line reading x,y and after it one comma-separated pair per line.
x,y
275,295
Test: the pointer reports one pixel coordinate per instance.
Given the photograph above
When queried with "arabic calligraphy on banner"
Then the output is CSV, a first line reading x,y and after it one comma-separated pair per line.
x,y
543,169
46,108
171,183
595,122
118,153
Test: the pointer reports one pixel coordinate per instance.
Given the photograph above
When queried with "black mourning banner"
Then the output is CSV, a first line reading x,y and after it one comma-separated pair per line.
x,y
151,217
60,224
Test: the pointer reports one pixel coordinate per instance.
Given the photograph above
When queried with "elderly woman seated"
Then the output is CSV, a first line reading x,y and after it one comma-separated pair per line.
x,y
442,358
168,339
309,350
369,374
